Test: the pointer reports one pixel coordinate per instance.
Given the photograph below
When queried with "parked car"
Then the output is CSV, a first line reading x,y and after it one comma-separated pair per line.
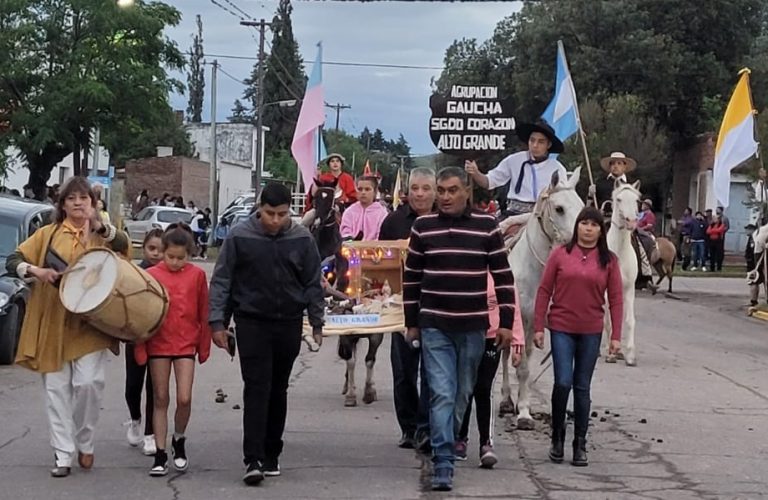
x,y
19,219
154,218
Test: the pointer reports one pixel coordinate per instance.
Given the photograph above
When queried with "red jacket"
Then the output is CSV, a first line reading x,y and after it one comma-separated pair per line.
x,y
647,221
346,184
716,232
185,331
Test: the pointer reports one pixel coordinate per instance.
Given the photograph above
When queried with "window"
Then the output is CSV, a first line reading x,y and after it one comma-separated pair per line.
x,y
172,216
145,214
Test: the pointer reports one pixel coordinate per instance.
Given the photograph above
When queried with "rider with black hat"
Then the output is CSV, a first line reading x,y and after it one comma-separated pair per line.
x,y
529,171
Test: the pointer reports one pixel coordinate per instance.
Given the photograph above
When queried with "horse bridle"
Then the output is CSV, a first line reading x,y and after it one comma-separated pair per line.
x,y
619,212
544,217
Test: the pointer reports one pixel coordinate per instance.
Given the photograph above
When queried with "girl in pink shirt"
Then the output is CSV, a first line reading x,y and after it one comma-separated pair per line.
x,y
573,289
362,220
486,375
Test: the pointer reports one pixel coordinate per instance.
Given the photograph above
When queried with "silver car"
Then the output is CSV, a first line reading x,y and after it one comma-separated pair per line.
x,y
154,218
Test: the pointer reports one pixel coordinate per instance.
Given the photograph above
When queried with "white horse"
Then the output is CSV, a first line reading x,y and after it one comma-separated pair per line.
x,y
625,200
551,224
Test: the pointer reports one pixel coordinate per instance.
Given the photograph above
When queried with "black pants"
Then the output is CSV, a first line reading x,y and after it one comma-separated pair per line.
x,y
716,254
486,374
411,404
267,352
134,381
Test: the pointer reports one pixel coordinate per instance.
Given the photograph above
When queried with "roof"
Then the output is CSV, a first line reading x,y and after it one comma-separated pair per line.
x,y
12,205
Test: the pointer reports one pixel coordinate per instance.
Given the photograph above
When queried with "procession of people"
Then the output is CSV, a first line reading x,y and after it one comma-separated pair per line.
x,y
460,301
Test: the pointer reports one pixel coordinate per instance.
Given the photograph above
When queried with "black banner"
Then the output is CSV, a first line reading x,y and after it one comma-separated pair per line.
x,y
471,120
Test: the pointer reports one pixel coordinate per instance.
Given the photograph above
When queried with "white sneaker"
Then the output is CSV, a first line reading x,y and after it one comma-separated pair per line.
x,y
703,269
134,435
149,448
693,268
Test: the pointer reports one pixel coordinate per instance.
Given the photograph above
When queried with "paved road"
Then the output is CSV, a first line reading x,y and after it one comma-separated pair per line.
x,y
700,386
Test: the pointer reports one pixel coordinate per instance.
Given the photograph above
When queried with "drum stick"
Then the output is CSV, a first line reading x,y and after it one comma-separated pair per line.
x,y
72,270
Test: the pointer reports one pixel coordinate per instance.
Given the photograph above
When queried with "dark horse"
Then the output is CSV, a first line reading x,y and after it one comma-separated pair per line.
x,y
324,225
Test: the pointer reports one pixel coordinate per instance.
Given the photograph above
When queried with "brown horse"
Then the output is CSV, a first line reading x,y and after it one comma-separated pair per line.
x,y
665,263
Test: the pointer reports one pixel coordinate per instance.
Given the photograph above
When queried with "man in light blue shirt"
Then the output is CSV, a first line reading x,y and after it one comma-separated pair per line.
x,y
529,171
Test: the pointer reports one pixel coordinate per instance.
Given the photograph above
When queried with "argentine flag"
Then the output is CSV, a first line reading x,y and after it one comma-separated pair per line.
x,y
562,114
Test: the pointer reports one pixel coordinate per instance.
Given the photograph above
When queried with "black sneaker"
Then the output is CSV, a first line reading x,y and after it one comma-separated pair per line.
x,y
180,461
271,467
406,441
160,467
253,474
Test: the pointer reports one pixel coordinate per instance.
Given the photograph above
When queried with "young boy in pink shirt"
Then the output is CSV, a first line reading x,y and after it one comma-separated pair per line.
x,y
364,217
486,375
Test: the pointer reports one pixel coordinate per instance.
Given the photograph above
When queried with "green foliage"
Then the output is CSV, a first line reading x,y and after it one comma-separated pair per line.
x,y
281,165
196,76
240,113
70,66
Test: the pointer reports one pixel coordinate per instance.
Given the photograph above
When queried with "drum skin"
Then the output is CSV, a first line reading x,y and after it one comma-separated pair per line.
x,y
134,303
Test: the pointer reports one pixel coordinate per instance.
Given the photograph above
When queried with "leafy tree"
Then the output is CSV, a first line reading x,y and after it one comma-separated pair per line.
x,y
71,66
284,79
196,76
240,113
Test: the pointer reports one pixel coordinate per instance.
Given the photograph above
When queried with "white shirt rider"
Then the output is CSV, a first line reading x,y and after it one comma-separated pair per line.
x,y
536,177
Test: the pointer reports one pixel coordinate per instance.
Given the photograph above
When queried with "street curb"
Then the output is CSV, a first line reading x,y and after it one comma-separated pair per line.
x,y
755,313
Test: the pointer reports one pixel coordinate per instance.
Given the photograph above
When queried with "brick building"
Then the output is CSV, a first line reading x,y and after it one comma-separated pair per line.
x,y
175,175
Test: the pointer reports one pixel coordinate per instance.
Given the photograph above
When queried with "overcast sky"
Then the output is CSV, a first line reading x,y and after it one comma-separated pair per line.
x,y
403,33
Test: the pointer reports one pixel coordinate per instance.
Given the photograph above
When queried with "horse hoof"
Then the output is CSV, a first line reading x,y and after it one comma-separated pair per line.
x,y
631,362
620,356
507,407
369,396
526,424
611,358
350,401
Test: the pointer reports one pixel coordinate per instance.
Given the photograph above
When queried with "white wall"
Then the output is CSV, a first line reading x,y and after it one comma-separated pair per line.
x,y
234,180
18,175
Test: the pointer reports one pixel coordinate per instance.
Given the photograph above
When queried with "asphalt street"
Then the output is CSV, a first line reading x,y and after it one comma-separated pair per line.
x,y
688,422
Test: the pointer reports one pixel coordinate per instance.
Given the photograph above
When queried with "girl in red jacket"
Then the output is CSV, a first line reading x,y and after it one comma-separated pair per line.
x,y
183,334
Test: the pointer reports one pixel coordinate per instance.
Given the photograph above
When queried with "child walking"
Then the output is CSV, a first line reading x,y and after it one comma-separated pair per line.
x,y
135,374
486,375
362,220
184,334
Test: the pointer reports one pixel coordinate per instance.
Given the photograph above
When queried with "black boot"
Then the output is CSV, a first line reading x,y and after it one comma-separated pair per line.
x,y
579,452
556,452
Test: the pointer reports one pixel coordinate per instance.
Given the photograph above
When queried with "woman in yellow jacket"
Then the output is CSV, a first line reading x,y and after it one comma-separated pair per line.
x,y
69,353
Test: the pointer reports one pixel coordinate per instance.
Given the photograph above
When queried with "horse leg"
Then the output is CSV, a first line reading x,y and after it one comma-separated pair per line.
x,y
607,330
347,352
629,328
507,406
524,418
374,342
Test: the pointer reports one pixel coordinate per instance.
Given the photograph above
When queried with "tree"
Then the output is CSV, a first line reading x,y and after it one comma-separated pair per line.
x,y
196,76
284,79
71,66
240,113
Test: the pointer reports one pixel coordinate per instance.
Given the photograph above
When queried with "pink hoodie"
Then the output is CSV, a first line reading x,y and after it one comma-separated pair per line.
x,y
518,336
368,220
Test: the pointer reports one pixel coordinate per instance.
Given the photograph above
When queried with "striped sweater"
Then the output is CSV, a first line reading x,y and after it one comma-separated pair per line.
x,y
445,280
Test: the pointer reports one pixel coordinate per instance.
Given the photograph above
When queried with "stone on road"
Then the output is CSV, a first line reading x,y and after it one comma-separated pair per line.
x,y
688,422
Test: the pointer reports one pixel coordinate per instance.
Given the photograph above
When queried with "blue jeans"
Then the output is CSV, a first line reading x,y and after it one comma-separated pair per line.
x,y
699,255
451,361
574,356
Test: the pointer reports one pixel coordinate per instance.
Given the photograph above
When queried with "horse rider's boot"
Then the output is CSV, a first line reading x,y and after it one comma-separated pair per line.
x,y
556,450
579,452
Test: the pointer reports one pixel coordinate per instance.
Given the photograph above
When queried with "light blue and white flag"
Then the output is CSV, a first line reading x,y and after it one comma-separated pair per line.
x,y
562,114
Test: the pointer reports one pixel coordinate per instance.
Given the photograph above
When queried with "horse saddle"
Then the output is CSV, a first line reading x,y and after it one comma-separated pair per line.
x,y
511,229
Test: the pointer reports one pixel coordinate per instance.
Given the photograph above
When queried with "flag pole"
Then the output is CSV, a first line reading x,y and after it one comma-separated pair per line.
x,y
582,136
756,135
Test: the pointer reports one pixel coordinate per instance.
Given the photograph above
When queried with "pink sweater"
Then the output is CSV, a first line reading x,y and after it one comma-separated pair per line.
x,y
576,285
518,337
368,220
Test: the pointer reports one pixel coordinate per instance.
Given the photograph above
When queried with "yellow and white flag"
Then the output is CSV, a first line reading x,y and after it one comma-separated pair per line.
x,y
396,191
736,141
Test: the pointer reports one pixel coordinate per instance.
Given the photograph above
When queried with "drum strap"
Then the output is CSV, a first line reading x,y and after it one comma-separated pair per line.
x,y
52,259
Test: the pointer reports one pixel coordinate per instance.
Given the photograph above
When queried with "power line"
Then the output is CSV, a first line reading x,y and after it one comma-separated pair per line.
x,y
227,10
339,63
239,9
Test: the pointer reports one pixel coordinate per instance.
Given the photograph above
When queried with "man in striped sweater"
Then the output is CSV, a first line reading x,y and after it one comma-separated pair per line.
x,y
444,288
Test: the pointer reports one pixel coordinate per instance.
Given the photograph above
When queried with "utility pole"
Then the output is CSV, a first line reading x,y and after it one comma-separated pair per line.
x,y
213,189
256,177
338,107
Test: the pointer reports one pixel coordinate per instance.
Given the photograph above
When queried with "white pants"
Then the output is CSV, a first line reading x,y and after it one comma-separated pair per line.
x,y
73,401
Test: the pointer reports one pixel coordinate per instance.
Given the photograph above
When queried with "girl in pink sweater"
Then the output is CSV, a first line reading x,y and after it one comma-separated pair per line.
x,y
486,375
362,220
575,281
